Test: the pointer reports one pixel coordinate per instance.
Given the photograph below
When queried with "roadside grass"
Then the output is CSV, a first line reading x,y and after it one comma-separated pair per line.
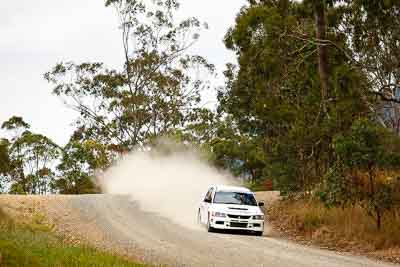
x,y
34,244
348,229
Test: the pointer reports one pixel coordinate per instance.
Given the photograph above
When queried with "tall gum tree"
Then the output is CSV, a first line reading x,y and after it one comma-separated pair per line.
x,y
276,94
31,157
159,87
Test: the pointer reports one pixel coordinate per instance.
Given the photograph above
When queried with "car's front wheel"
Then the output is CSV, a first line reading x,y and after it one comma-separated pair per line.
x,y
210,229
258,233
199,218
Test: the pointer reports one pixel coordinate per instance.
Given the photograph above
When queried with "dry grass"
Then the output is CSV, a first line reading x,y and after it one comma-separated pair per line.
x,y
349,229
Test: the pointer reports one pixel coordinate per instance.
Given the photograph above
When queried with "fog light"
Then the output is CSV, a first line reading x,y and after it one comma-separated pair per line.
x,y
258,217
218,214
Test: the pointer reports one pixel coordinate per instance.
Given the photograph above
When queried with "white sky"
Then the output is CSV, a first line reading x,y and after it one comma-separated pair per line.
x,y
35,35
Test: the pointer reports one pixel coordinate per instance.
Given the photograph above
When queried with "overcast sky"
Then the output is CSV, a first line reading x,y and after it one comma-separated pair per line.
x,y
35,35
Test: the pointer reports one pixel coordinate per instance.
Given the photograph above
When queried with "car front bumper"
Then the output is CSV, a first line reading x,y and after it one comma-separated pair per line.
x,y
225,223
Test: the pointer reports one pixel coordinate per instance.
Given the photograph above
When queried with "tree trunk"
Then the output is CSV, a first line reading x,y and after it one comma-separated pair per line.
x,y
323,64
378,219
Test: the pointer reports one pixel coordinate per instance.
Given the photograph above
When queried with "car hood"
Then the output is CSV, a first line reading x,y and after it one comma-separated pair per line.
x,y
237,209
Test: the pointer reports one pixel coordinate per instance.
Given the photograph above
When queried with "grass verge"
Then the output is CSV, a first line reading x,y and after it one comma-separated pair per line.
x,y
345,229
34,244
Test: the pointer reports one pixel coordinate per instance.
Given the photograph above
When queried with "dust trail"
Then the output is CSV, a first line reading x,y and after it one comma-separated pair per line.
x,y
171,184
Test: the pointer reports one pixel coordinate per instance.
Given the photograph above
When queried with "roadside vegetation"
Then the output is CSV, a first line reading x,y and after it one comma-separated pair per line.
x,y
34,244
347,229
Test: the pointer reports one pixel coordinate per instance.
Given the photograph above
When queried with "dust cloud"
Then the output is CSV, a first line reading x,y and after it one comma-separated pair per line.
x,y
170,183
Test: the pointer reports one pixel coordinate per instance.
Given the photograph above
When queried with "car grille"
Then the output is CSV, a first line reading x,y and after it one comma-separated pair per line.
x,y
239,216
237,209
240,225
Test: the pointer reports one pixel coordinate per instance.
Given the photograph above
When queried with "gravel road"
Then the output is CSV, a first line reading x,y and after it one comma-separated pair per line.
x,y
116,223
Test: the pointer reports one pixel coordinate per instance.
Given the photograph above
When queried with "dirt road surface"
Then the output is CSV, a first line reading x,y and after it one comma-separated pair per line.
x,y
116,223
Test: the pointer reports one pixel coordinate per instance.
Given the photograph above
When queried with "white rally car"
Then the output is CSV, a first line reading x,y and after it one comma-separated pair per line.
x,y
228,207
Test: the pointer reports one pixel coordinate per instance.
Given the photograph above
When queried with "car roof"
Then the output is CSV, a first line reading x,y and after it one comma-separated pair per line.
x,y
228,188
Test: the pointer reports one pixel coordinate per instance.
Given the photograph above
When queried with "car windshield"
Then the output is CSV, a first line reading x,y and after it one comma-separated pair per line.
x,y
237,198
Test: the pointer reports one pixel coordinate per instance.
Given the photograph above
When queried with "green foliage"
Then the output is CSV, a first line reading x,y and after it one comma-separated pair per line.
x,y
303,100
155,93
15,122
274,97
366,170
28,159
4,156
34,154
240,154
5,163
363,147
78,163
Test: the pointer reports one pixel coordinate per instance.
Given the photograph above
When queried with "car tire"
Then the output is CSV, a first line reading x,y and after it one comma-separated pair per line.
x,y
199,218
210,229
258,233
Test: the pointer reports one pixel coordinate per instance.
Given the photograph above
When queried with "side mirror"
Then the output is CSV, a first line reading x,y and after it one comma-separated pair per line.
x,y
261,204
207,200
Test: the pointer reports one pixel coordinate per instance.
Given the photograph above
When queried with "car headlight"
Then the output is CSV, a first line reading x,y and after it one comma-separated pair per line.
x,y
218,214
258,217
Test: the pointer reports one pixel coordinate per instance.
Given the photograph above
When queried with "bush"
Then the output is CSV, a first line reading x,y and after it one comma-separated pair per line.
x,y
346,227
366,171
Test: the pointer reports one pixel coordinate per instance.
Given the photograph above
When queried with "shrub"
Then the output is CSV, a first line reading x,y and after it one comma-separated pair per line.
x,y
366,171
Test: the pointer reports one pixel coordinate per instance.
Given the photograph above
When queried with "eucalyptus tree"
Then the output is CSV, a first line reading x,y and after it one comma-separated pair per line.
x,y
306,70
157,89
31,158
15,126
77,166
38,155
373,45
5,164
